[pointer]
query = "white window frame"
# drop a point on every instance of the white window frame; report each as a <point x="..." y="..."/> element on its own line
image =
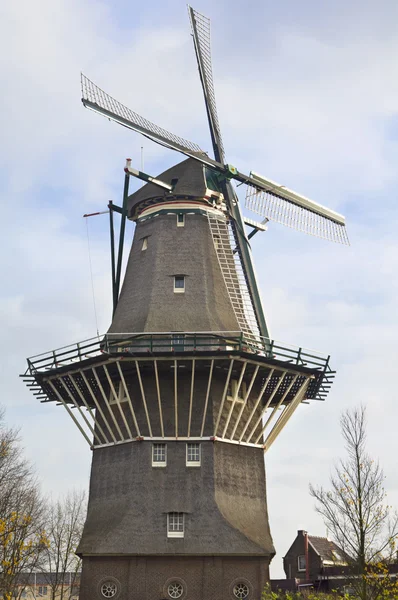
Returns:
<point x="193" y="463"/>
<point x="240" y="398"/>
<point x="182" y="222"/>
<point x="121" y="394"/>
<point x="144" y="243"/>
<point x="179" y="290"/>
<point x="175" y="530"/>
<point x="159" y="463"/>
<point x="299" y="567"/>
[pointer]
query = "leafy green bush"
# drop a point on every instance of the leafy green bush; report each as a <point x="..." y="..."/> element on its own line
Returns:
<point x="268" y="594"/>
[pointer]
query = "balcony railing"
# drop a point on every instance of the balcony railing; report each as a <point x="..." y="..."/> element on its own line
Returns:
<point x="175" y="342"/>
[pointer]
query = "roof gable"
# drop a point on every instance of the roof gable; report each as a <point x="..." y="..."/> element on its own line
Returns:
<point x="326" y="549"/>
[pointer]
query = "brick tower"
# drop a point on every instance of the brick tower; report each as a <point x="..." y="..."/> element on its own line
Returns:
<point x="184" y="394"/>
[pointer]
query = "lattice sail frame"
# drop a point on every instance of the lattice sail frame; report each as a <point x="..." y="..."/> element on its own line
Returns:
<point x="202" y="40"/>
<point x="288" y="213"/>
<point x="96" y="99"/>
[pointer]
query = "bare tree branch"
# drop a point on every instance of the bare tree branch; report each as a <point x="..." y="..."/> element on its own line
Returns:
<point x="355" y="512"/>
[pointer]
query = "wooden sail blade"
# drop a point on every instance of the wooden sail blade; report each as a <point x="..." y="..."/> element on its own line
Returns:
<point x="201" y="37"/>
<point x="278" y="203"/>
<point x="99" y="101"/>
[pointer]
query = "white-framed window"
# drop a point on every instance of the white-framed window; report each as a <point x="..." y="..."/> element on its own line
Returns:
<point x="42" y="590"/>
<point x="241" y="590"/>
<point x="159" y="455"/>
<point x="193" y="455"/>
<point x="144" y="243"/>
<point x="121" y="394"/>
<point x="232" y="387"/>
<point x="180" y="220"/>
<point x="175" y="589"/>
<point x="301" y="563"/>
<point x="109" y="588"/>
<point x="179" y="284"/>
<point x="175" y="525"/>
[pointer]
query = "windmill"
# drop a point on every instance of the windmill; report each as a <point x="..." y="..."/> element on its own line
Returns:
<point x="186" y="391"/>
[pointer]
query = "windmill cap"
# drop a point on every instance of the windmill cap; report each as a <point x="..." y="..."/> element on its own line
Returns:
<point x="189" y="181"/>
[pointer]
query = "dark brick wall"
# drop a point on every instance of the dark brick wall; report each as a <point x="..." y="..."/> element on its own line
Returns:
<point x="147" y="300"/>
<point x="291" y="559"/>
<point x="129" y="501"/>
<point x="146" y="578"/>
<point x="224" y="500"/>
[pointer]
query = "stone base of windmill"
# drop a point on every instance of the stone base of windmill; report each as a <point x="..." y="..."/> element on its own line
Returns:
<point x="165" y="578"/>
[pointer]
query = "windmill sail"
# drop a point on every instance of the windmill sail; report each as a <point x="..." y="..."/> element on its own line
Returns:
<point x="99" y="101"/>
<point x="250" y="308"/>
<point x="201" y="36"/>
<point x="278" y="203"/>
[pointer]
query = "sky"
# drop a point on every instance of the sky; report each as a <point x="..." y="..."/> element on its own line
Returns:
<point x="307" y="95"/>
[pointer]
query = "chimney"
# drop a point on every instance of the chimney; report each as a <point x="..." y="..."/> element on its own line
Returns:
<point x="307" y="566"/>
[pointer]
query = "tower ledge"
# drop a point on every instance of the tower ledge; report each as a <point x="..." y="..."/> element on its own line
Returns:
<point x="258" y="386"/>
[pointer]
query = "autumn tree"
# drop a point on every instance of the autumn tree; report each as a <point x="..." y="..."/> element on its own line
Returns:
<point x="65" y="520"/>
<point x="354" y="510"/>
<point x="22" y="538"/>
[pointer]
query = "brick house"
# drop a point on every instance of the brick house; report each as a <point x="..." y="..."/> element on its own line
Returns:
<point x="317" y="562"/>
<point x="310" y="558"/>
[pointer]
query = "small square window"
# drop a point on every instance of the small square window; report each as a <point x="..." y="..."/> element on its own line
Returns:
<point x="179" y="284"/>
<point x="180" y="220"/>
<point x="193" y="455"/>
<point x="301" y="563"/>
<point x="159" y="455"/>
<point x="175" y="525"/>
<point x="144" y="243"/>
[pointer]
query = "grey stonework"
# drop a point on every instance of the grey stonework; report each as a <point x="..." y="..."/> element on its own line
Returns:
<point x="224" y="502"/>
<point x="147" y="299"/>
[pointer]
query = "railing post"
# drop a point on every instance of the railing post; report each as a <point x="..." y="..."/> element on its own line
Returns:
<point x="298" y="356"/>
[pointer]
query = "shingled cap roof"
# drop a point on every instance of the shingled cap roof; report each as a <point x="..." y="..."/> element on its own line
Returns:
<point x="327" y="550"/>
<point x="191" y="182"/>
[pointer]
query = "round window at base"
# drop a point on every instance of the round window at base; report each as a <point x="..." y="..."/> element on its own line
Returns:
<point x="175" y="589"/>
<point x="241" y="590"/>
<point x="109" y="589"/>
